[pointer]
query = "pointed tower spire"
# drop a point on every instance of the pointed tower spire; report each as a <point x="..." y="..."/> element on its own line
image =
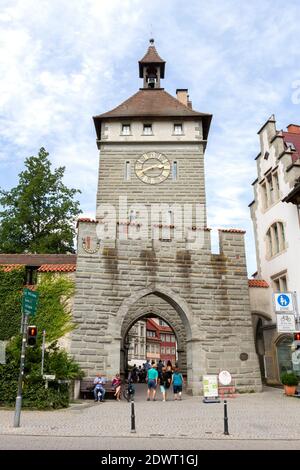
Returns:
<point x="152" y="67"/>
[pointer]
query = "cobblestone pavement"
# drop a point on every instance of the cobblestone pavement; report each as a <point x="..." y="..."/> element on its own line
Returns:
<point x="269" y="415"/>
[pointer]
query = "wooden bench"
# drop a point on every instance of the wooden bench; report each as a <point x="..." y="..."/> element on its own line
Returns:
<point x="87" y="389"/>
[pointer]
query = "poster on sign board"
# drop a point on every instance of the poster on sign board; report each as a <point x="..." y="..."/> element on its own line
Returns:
<point x="210" y="385"/>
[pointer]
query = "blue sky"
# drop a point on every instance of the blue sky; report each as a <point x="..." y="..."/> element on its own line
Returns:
<point x="64" y="61"/>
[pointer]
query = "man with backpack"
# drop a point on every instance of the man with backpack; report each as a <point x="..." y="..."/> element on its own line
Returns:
<point x="177" y="381"/>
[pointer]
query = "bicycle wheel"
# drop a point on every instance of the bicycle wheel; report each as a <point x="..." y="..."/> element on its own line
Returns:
<point x="126" y="394"/>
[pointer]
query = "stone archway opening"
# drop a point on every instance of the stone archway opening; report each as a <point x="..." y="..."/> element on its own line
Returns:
<point x="150" y="338"/>
<point x="171" y="309"/>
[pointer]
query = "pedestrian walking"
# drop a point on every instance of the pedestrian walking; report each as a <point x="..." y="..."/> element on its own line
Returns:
<point x="177" y="381"/>
<point x="152" y="378"/>
<point x="165" y="382"/>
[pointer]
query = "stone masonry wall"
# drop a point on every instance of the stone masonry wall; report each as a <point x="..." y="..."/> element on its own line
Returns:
<point x="208" y="292"/>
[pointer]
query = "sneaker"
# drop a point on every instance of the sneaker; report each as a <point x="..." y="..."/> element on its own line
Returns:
<point x="148" y="399"/>
<point x="154" y="399"/>
<point x="96" y="400"/>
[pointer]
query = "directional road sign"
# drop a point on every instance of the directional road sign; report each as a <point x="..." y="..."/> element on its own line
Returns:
<point x="30" y="301"/>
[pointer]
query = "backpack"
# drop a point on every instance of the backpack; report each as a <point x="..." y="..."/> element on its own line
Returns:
<point x="177" y="378"/>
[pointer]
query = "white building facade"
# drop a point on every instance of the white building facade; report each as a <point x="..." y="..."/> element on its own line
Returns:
<point x="275" y="217"/>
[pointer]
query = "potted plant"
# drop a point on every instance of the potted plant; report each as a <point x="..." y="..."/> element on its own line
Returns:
<point x="290" y="381"/>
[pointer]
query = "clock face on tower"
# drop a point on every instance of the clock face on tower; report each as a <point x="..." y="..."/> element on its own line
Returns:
<point x="152" y="168"/>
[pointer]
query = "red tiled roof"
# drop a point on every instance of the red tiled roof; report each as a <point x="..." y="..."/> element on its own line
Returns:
<point x="86" y="219"/>
<point x="62" y="268"/>
<point x="231" y="230"/>
<point x="152" y="325"/>
<point x="294" y="138"/>
<point x="10" y="267"/>
<point x="257" y="283"/>
<point x="152" y="56"/>
<point x="151" y="102"/>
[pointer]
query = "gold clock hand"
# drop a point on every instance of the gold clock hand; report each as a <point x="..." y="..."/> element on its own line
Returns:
<point x="151" y="167"/>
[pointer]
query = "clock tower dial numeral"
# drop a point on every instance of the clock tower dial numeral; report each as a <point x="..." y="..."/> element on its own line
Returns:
<point x="152" y="168"/>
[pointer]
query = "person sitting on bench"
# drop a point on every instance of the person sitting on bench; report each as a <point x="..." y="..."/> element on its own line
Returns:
<point x="99" y="382"/>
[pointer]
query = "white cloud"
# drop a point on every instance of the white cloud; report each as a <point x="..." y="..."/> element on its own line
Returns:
<point x="63" y="62"/>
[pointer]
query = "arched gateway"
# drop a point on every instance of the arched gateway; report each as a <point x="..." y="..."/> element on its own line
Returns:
<point x="149" y="248"/>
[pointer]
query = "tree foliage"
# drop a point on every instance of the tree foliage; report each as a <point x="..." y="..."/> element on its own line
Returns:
<point x="54" y="315"/>
<point x="11" y="286"/>
<point x="35" y="395"/>
<point x="54" y="308"/>
<point x="38" y="215"/>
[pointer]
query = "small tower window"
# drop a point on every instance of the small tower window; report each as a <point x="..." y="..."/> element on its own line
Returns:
<point x="127" y="171"/>
<point x="125" y="129"/>
<point x="177" y="129"/>
<point x="174" y="171"/>
<point x="147" y="129"/>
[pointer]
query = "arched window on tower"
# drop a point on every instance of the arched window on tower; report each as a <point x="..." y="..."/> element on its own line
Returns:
<point x="275" y="239"/>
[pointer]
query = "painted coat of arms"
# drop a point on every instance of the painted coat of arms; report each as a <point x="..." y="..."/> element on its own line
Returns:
<point x="90" y="245"/>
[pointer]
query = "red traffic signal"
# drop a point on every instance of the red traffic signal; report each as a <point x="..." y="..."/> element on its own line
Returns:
<point x="31" y="335"/>
<point x="297" y="336"/>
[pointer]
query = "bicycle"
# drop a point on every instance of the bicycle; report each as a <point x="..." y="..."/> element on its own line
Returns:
<point x="128" y="392"/>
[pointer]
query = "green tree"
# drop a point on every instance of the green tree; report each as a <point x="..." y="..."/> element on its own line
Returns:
<point x="54" y="308"/>
<point x="38" y="215"/>
<point x="11" y="287"/>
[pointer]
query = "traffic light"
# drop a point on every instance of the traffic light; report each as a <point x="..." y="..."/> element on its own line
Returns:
<point x="31" y="335"/>
<point x="297" y="336"/>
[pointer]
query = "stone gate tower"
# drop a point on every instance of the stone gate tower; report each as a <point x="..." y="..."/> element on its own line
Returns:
<point x="148" y="251"/>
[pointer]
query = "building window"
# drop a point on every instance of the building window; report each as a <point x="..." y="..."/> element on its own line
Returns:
<point x="174" y="171"/>
<point x="178" y="129"/>
<point x="173" y="351"/>
<point x="127" y="170"/>
<point x="284" y="355"/>
<point x="142" y="331"/>
<point x="147" y="129"/>
<point x="168" y="350"/>
<point x="279" y="283"/>
<point x="167" y="338"/>
<point x="172" y="339"/>
<point x="264" y="195"/>
<point x="275" y="239"/>
<point x="126" y="129"/>
<point x="270" y="190"/>
<point x="162" y="350"/>
<point x="151" y="334"/>
<point x="162" y="337"/>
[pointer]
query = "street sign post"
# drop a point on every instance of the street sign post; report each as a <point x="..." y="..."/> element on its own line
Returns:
<point x="2" y="352"/>
<point x="225" y="377"/>
<point x="284" y="302"/>
<point x="30" y="301"/>
<point x="286" y="323"/>
<point x="29" y="307"/>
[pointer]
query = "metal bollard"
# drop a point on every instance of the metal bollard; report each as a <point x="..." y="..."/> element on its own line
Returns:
<point x="226" y="432"/>
<point x="132" y="417"/>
